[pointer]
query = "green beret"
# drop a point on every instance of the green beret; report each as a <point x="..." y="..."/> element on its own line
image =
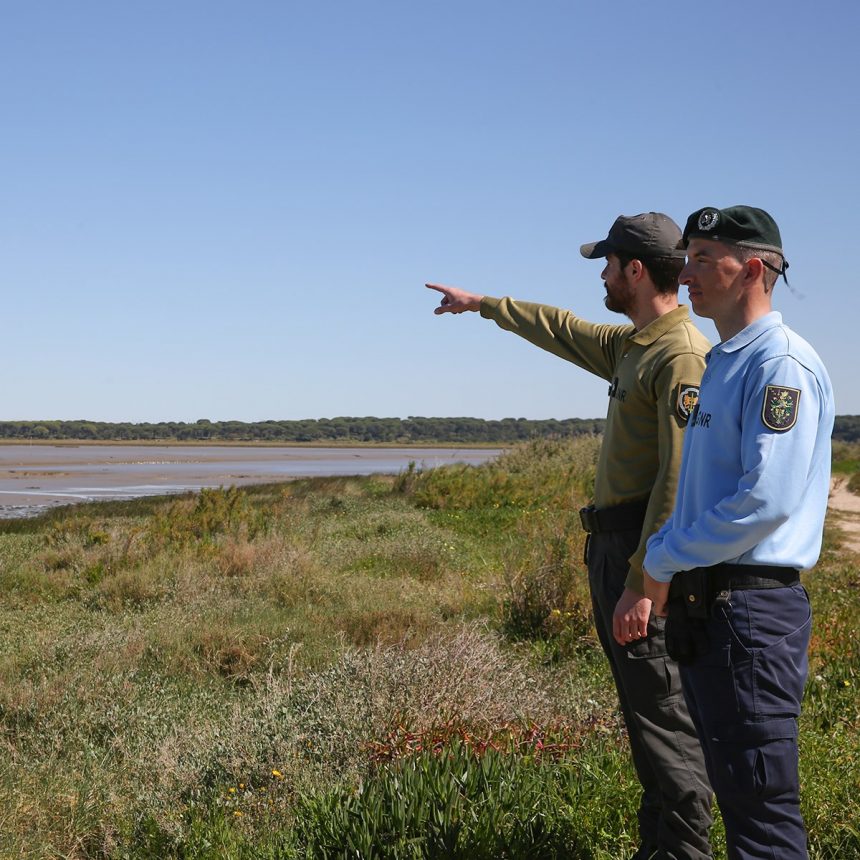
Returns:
<point x="735" y="225"/>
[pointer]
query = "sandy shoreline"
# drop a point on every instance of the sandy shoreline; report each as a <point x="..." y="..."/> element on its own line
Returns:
<point x="36" y="477"/>
<point x="847" y="506"/>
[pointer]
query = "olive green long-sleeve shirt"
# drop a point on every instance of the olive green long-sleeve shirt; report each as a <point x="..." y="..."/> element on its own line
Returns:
<point x="653" y="377"/>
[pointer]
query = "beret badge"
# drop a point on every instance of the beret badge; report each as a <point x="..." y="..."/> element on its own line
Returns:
<point x="709" y="219"/>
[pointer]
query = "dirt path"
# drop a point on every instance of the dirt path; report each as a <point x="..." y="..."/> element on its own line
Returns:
<point x="847" y="505"/>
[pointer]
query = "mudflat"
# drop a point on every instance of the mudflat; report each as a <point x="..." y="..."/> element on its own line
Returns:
<point x="35" y="477"/>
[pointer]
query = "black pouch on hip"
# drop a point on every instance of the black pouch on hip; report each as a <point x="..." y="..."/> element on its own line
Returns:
<point x="686" y="636"/>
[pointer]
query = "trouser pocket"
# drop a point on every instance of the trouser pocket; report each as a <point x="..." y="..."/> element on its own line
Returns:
<point x="769" y="663"/>
<point x="755" y="759"/>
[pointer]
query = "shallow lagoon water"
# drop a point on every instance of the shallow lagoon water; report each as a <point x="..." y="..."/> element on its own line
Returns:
<point x="36" y="477"/>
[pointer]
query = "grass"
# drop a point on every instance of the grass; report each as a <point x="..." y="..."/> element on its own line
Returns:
<point x="846" y="461"/>
<point x="347" y="667"/>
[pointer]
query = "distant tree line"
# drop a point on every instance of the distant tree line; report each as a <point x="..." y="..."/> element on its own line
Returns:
<point x="393" y="430"/>
<point x="847" y="428"/>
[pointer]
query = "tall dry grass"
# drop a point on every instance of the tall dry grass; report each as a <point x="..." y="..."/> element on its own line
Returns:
<point x="228" y="675"/>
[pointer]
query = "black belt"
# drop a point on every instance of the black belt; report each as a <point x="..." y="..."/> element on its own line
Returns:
<point x="618" y="518"/>
<point x="739" y="577"/>
<point x="697" y="589"/>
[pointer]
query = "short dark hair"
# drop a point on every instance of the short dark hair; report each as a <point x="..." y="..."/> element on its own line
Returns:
<point x="664" y="271"/>
<point x="772" y="258"/>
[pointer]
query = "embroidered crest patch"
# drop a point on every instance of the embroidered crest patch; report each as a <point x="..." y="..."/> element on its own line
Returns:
<point x="780" y="407"/>
<point x="686" y="398"/>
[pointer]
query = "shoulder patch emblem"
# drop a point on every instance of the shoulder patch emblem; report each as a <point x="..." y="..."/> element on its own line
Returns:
<point x="780" y="407"/>
<point x="686" y="398"/>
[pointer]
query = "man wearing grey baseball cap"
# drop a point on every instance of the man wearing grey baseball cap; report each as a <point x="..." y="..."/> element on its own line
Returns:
<point x="651" y="234"/>
<point x="653" y="368"/>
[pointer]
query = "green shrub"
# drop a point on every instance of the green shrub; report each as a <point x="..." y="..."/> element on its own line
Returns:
<point x="846" y="457"/>
<point x="545" y="580"/>
<point x="211" y="515"/>
<point x="546" y="472"/>
<point x="456" y="804"/>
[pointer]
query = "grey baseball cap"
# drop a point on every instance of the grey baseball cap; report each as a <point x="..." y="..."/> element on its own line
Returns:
<point x="651" y="234"/>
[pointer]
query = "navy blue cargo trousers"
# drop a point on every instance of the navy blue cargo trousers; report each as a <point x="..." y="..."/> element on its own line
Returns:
<point x="744" y="696"/>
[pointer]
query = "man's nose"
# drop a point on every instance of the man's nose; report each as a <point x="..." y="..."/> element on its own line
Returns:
<point x="686" y="275"/>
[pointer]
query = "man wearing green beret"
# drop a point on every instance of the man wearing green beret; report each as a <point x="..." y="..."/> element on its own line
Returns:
<point x="748" y="517"/>
<point x="653" y="368"/>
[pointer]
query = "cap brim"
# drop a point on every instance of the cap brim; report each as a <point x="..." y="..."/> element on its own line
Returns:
<point x="594" y="250"/>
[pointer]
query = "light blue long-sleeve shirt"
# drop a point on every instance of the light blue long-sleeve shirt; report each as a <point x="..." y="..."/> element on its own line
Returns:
<point x="755" y="473"/>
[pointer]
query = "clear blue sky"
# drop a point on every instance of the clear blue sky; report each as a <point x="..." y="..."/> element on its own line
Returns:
<point x="228" y="210"/>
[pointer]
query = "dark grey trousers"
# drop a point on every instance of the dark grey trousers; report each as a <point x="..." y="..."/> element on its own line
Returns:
<point x="675" y="808"/>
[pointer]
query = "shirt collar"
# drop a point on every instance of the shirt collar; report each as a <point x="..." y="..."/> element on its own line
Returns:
<point x="753" y="331"/>
<point x="658" y="327"/>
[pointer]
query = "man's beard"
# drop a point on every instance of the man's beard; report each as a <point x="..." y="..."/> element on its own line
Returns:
<point x="619" y="299"/>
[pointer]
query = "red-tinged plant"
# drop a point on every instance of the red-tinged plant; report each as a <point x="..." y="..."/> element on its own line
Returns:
<point x="552" y="741"/>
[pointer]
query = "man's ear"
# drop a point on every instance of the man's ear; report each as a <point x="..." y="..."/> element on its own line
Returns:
<point x="635" y="270"/>
<point x="754" y="270"/>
